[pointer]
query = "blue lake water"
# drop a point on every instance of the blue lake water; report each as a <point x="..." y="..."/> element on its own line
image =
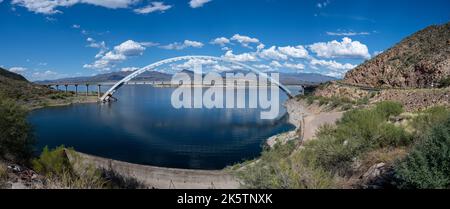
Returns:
<point x="142" y="127"/>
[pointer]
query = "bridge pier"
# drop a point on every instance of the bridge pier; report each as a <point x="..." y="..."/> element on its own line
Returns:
<point x="76" y="89"/>
<point x="57" y="87"/>
<point x="65" y="85"/>
<point x="99" y="91"/>
<point x="87" y="89"/>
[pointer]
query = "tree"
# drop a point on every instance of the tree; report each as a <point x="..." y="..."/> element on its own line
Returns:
<point x="16" y="140"/>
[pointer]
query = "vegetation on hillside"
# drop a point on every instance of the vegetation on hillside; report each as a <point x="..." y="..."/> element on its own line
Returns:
<point x="345" y="151"/>
<point x="16" y="138"/>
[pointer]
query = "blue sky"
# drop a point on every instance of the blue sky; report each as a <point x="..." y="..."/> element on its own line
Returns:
<point x="48" y="39"/>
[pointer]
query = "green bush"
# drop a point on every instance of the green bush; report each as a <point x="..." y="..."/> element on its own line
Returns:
<point x="428" y="118"/>
<point x="357" y="132"/>
<point x="428" y="165"/>
<point x="52" y="162"/>
<point x="444" y="82"/>
<point x="16" y="139"/>
<point x="389" y="108"/>
<point x="278" y="169"/>
<point x="55" y="165"/>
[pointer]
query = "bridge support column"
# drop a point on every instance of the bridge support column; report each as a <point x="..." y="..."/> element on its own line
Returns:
<point x="99" y="91"/>
<point x="65" y="85"/>
<point x="87" y="89"/>
<point x="57" y="87"/>
<point x="76" y="89"/>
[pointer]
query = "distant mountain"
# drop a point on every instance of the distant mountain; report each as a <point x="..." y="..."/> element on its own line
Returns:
<point x="285" y="78"/>
<point x="112" y="77"/>
<point x="420" y="60"/>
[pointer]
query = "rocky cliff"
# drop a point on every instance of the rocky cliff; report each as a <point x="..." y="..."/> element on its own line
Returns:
<point x="418" y="61"/>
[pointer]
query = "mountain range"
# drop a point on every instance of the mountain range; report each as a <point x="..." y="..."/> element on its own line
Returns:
<point x="285" y="78"/>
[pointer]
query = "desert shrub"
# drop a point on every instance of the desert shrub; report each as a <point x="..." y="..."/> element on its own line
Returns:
<point x="16" y="139"/>
<point x="55" y="165"/>
<point x="278" y="169"/>
<point x="390" y="135"/>
<point x="428" y="118"/>
<point x="389" y="108"/>
<point x="357" y="132"/>
<point x="52" y="162"/>
<point x="428" y="164"/>
<point x="444" y="82"/>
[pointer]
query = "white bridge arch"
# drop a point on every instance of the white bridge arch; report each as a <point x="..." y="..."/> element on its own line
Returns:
<point x="108" y="94"/>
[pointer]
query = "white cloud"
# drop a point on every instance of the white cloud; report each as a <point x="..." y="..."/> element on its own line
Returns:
<point x="262" y="67"/>
<point x="296" y="66"/>
<point x="129" y="69"/>
<point x="347" y="33"/>
<point x="130" y="48"/>
<point x="332" y="64"/>
<point x="45" y="75"/>
<point x="344" y="49"/>
<point x="198" y="3"/>
<point x="76" y="26"/>
<point x="295" y="52"/>
<point x="244" y="40"/>
<point x="222" y="41"/>
<point x="275" y="64"/>
<point x="18" y="69"/>
<point x="50" y="6"/>
<point x="119" y="54"/>
<point x="272" y="53"/>
<point x="153" y="7"/>
<point x="190" y="64"/>
<point x="260" y="47"/>
<point x="244" y="57"/>
<point x="185" y="44"/>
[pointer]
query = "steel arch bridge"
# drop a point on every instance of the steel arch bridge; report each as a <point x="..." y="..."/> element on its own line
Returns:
<point x="108" y="94"/>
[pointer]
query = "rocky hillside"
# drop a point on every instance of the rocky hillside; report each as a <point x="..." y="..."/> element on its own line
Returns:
<point x="16" y="87"/>
<point x="418" y="61"/>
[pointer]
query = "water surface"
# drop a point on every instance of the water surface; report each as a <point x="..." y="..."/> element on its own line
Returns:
<point x="142" y="127"/>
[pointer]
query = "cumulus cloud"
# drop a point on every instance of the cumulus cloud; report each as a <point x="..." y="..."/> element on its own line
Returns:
<point x="244" y="40"/>
<point x="244" y="57"/>
<point x="276" y="64"/>
<point x="332" y="64"/>
<point x="295" y="52"/>
<point x="153" y="7"/>
<point x="119" y="54"/>
<point x="190" y="64"/>
<point x="296" y="66"/>
<point x="344" y="49"/>
<point x="49" y="7"/>
<point x="272" y="53"/>
<point x="76" y="26"/>
<point x="185" y="44"/>
<point x="129" y="48"/>
<point x="222" y="41"/>
<point x="198" y="3"/>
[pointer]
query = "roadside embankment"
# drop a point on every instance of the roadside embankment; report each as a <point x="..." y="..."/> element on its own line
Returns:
<point x="307" y="119"/>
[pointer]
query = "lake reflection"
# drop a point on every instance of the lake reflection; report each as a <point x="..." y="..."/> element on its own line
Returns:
<point x="143" y="127"/>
